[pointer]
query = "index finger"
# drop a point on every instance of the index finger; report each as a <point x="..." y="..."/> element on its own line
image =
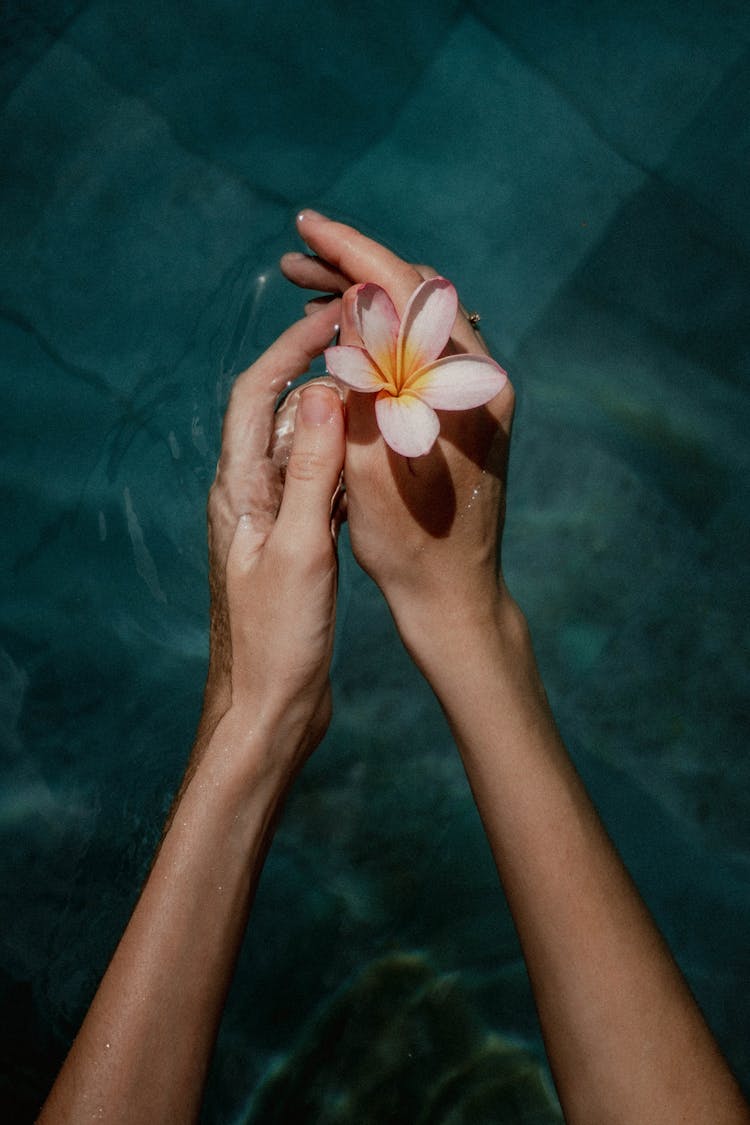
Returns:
<point x="249" y="418"/>
<point x="358" y="257"/>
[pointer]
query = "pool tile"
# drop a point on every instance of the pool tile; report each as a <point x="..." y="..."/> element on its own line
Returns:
<point x="634" y="414"/>
<point x="638" y="71"/>
<point x="29" y="29"/>
<point x="488" y="167"/>
<point x="710" y="162"/>
<point x="115" y="236"/>
<point x="284" y="96"/>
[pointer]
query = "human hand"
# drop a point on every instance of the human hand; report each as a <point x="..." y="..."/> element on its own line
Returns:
<point x="426" y="529"/>
<point x="272" y="553"/>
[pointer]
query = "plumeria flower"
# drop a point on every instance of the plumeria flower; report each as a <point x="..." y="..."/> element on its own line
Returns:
<point x="400" y="363"/>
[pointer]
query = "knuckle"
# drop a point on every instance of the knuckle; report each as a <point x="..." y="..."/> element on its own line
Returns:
<point x="406" y="275"/>
<point x="216" y="504"/>
<point x="306" y="465"/>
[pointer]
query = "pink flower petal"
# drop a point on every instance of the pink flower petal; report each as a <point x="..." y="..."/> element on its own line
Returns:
<point x="378" y="324"/>
<point x="458" y="382"/>
<point x="427" y="324"/>
<point x="409" y="425"/>
<point x="353" y="367"/>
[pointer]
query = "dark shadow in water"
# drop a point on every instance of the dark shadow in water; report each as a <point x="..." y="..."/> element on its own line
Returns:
<point x="403" y="1044"/>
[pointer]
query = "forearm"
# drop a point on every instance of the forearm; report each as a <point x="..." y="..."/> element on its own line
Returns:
<point x="625" y="1039"/>
<point x="145" y="1045"/>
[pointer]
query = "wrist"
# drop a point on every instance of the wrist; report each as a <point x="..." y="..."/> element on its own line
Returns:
<point x="471" y="654"/>
<point x="258" y="748"/>
<point x="247" y="753"/>
<point x="435" y="630"/>
<point x="272" y="729"/>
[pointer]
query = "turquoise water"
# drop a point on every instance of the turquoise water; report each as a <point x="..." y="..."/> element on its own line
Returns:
<point x="581" y="172"/>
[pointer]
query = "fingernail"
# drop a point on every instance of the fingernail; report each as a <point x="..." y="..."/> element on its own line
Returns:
<point x="293" y="256"/>
<point x="316" y="406"/>
<point x="310" y="216"/>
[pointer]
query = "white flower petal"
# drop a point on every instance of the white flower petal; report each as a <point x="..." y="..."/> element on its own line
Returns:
<point x="427" y="325"/>
<point x="378" y="324"/>
<point x="409" y="425"/>
<point x="459" y="382"/>
<point x="353" y="367"/>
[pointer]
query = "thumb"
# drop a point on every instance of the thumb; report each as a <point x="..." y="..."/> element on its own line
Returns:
<point x="314" y="467"/>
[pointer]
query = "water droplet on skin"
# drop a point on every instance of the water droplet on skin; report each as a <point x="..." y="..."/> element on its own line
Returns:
<point x="472" y="499"/>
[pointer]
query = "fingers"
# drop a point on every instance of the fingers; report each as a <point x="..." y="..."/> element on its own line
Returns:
<point x="312" y="273"/>
<point x="316" y="303"/>
<point x="465" y="337"/>
<point x="346" y="257"/>
<point x="313" y="471"/>
<point x="357" y="257"/>
<point x="284" y="419"/>
<point x="426" y="272"/>
<point x="249" y="417"/>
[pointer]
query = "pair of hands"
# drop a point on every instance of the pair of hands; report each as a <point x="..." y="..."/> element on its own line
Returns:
<point x="426" y="529"/>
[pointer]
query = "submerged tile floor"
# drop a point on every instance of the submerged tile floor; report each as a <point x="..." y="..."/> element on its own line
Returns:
<point x="582" y="175"/>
